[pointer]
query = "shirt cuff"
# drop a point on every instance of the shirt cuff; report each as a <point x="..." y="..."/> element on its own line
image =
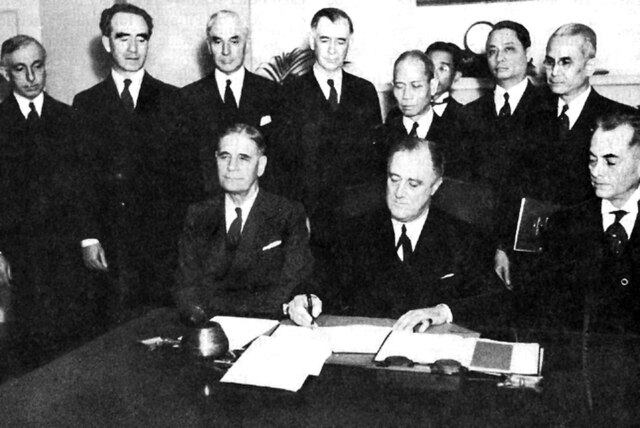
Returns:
<point x="446" y="312"/>
<point x="89" y="242"/>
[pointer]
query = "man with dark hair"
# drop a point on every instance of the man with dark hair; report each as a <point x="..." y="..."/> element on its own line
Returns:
<point x="141" y="169"/>
<point x="409" y="255"/>
<point x="592" y="253"/>
<point x="325" y="154"/>
<point x="412" y="77"/>
<point x="446" y="63"/>
<point x="243" y="252"/>
<point x="38" y="259"/>
<point x="231" y="94"/>
<point x="502" y="133"/>
<point x="573" y="108"/>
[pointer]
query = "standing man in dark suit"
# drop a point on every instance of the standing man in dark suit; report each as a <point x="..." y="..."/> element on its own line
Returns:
<point x="142" y="170"/>
<point x="412" y="79"/>
<point x="574" y="107"/>
<point x="409" y="255"/>
<point x="326" y="151"/>
<point x="593" y="249"/>
<point x="229" y="95"/>
<point x="40" y="253"/>
<point x="502" y="132"/>
<point x="242" y="252"/>
<point x="446" y="63"/>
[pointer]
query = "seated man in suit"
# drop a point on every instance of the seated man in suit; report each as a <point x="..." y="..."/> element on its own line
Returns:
<point x="502" y="132"/>
<point x="39" y="242"/>
<point x="325" y="154"/>
<point x="412" y="78"/>
<point x="409" y="260"/>
<point x="229" y="95"/>
<point x="593" y="249"/>
<point x="243" y="252"/>
<point x="446" y="63"/>
<point x="574" y="107"/>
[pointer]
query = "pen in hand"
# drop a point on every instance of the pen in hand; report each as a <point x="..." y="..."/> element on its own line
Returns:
<point x="310" y="309"/>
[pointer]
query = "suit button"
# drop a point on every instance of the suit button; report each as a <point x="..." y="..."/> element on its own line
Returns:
<point x="122" y="204"/>
<point x="119" y="176"/>
<point x="624" y="282"/>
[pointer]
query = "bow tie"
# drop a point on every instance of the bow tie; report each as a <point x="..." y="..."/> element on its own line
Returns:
<point x="444" y="101"/>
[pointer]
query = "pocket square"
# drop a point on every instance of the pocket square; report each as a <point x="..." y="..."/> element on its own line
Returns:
<point x="447" y="276"/>
<point x="272" y="245"/>
<point x="265" y="120"/>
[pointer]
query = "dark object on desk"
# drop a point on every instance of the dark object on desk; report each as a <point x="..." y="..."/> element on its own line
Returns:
<point x="210" y="341"/>
<point x="533" y="218"/>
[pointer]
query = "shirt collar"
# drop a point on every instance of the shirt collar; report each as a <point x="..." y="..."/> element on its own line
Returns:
<point x="515" y="95"/>
<point x="237" y="79"/>
<point x="424" y="123"/>
<point x="134" y="87"/>
<point x="23" y="103"/>
<point x="230" y="209"/>
<point x="629" y="220"/>
<point x="322" y="76"/>
<point x="441" y="107"/>
<point x="414" y="228"/>
<point x="575" y="106"/>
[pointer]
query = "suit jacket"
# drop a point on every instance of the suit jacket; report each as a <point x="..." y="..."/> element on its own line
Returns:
<point x="450" y="264"/>
<point x="566" y="172"/>
<point x="145" y="171"/>
<point x="504" y="153"/>
<point x="579" y="277"/>
<point x="443" y="130"/>
<point x="322" y="155"/>
<point x="273" y="258"/>
<point x="208" y="116"/>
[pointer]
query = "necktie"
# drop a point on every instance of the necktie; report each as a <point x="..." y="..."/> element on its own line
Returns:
<point x="405" y="242"/>
<point x="33" y="117"/>
<point x="229" y="99"/>
<point x="505" y="111"/>
<point x="333" y="95"/>
<point x="126" y="97"/>
<point x="414" y="132"/>
<point x="615" y="236"/>
<point x="233" y="235"/>
<point x="563" y="122"/>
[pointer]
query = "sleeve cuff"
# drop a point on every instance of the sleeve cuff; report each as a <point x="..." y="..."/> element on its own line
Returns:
<point x="89" y="242"/>
<point x="446" y="312"/>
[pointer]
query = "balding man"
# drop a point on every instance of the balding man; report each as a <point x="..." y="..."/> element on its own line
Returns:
<point x="229" y="95"/>
<point x="574" y="107"/>
<point x="38" y="244"/>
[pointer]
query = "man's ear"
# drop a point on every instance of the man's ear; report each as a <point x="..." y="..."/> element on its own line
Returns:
<point x="262" y="164"/>
<point x="105" y="44"/>
<point x="5" y="72"/>
<point x="527" y="53"/>
<point x="456" y="77"/>
<point x="433" y="86"/>
<point x="436" y="186"/>
<point x="590" y="66"/>
<point x="312" y="40"/>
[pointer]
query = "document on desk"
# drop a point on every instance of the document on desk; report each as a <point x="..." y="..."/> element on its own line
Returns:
<point x="355" y="339"/>
<point x="505" y="357"/>
<point x="241" y="331"/>
<point x="427" y="348"/>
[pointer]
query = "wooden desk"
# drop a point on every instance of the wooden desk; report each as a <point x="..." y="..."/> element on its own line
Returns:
<point x="113" y="381"/>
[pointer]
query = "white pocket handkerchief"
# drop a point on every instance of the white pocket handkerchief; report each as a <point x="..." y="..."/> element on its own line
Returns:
<point x="274" y="244"/>
<point x="447" y="276"/>
<point x="265" y="120"/>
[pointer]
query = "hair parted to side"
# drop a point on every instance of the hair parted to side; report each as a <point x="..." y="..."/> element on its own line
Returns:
<point x="410" y="144"/>
<point x="107" y="16"/>
<point x="250" y="131"/>
<point x="333" y="14"/>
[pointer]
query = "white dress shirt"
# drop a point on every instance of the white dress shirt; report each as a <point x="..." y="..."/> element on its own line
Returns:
<point x="134" y="87"/>
<point x="23" y="103"/>
<point x="575" y="106"/>
<point x="322" y="76"/>
<point x="424" y="123"/>
<point x="515" y="95"/>
<point x="230" y="209"/>
<point x="237" y="79"/>
<point x="439" y="107"/>
<point x="629" y="220"/>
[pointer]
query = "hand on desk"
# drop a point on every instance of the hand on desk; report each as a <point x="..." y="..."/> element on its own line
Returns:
<point x="94" y="257"/>
<point x="502" y="266"/>
<point x="423" y="318"/>
<point x="5" y="271"/>
<point x="298" y="309"/>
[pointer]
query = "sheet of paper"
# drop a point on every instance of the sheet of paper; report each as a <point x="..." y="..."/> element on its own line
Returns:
<point x="313" y="345"/>
<point x="241" y="331"/>
<point x="427" y="348"/>
<point x="356" y="339"/>
<point x="506" y="357"/>
<point x="265" y="363"/>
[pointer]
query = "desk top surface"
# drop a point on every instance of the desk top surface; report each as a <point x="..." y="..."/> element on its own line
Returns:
<point x="113" y="381"/>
